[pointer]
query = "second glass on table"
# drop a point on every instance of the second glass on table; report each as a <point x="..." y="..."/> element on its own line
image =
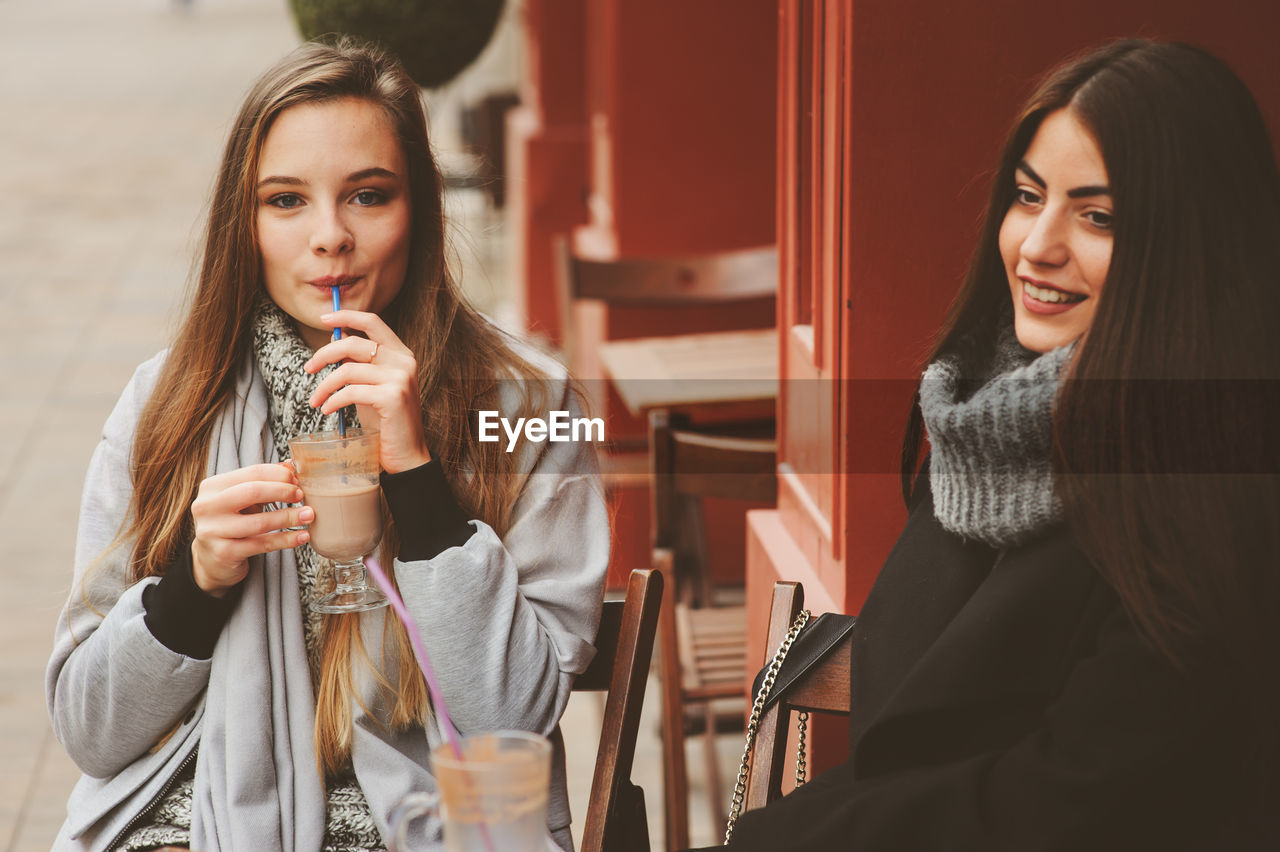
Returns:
<point x="490" y="798"/>
<point x="339" y="479"/>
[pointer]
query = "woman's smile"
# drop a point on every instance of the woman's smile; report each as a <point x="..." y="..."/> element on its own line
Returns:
<point x="1042" y="298"/>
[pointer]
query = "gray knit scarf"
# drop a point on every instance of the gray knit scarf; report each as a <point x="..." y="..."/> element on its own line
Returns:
<point x="280" y="353"/>
<point x="349" y="826"/>
<point x="989" y="465"/>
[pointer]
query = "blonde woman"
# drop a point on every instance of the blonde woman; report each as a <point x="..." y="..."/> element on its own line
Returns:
<point x="206" y="704"/>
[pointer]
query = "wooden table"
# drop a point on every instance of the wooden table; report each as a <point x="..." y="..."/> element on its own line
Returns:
<point x="690" y="371"/>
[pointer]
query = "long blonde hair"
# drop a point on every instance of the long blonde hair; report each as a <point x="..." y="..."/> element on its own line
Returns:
<point x="460" y="358"/>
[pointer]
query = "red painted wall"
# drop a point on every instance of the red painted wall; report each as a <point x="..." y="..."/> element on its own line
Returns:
<point x="681" y="116"/>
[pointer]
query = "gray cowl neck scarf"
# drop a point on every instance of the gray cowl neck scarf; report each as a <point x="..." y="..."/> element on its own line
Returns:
<point x="989" y="465"/>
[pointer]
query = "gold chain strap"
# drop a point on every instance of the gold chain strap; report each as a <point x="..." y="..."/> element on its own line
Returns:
<point x="802" y="725"/>
<point x="753" y="725"/>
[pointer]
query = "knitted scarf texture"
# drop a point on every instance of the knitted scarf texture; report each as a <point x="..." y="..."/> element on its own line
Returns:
<point x="989" y="465"/>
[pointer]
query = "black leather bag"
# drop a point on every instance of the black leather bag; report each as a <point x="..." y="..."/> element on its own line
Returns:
<point x="811" y="646"/>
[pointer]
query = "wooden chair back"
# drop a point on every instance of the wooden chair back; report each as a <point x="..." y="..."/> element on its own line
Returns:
<point x="616" y="819"/>
<point x="734" y="462"/>
<point x="744" y="275"/>
<point x="727" y="461"/>
<point x="716" y="277"/>
<point x="823" y="689"/>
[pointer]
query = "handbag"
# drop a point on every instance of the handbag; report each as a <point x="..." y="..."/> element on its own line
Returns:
<point x="805" y="645"/>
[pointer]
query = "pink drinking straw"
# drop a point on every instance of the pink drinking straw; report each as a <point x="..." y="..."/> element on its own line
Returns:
<point x="424" y="663"/>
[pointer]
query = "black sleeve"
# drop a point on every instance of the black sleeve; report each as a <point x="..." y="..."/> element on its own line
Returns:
<point x="426" y="513"/>
<point x="182" y="616"/>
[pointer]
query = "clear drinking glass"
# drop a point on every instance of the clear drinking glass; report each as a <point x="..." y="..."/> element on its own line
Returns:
<point x="492" y="799"/>
<point x="339" y="479"/>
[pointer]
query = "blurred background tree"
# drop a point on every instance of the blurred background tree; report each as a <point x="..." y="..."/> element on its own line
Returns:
<point x="435" y="39"/>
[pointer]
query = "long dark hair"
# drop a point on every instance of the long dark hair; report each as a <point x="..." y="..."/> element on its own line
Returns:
<point x="1165" y="429"/>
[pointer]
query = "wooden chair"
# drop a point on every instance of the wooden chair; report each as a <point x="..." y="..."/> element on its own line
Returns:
<point x="741" y="286"/>
<point x="822" y="689"/>
<point x="721" y="278"/>
<point x="616" y="820"/>
<point x="702" y="646"/>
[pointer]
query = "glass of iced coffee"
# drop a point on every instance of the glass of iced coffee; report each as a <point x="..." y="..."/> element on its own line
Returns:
<point x="338" y="474"/>
<point x="491" y="797"/>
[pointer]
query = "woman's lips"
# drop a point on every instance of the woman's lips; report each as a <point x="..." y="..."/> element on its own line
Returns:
<point x="1034" y="296"/>
<point x="328" y="282"/>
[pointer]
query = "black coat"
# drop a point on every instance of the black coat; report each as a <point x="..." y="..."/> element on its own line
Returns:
<point x="1002" y="700"/>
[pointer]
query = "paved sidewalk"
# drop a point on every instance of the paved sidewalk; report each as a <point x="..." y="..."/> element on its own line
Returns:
<point x="113" y="118"/>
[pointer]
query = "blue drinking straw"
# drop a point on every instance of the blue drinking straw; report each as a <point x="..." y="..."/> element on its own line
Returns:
<point x="337" y="335"/>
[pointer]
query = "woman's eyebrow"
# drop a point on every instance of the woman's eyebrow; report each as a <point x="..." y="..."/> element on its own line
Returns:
<point x="291" y="181"/>
<point x="374" y="171"/>
<point x="363" y="174"/>
<point x="1088" y="191"/>
<point x="1031" y="173"/>
<point x="1078" y="192"/>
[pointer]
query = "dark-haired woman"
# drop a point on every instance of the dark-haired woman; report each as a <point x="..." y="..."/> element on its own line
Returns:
<point x="1073" y="645"/>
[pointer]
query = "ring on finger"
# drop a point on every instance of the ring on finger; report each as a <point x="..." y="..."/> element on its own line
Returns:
<point x="374" y="353"/>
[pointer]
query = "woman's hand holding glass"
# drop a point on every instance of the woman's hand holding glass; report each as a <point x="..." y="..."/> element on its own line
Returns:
<point x="377" y="374"/>
<point x="234" y="520"/>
